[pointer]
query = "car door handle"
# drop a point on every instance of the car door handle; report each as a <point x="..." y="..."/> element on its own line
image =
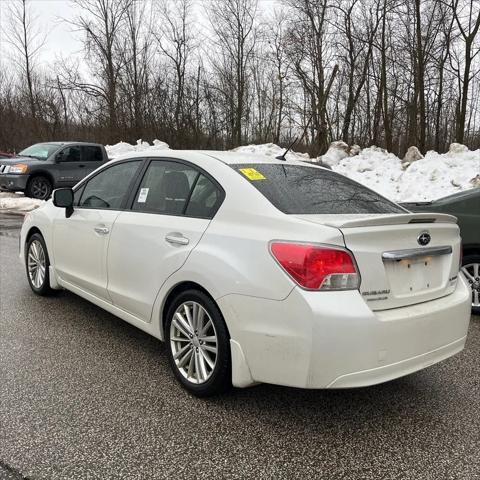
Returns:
<point x="101" y="230"/>
<point x="81" y="166"/>
<point x="177" y="238"/>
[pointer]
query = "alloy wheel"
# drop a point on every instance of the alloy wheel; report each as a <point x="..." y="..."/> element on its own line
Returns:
<point x="37" y="264"/>
<point x="472" y="273"/>
<point x="193" y="342"/>
<point x="40" y="188"/>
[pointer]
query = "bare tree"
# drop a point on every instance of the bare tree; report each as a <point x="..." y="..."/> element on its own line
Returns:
<point x="282" y="66"/>
<point x="175" y="39"/>
<point x="359" y="27"/>
<point x="27" y="40"/>
<point x="137" y="54"/>
<point x="467" y="18"/>
<point x="233" y="22"/>
<point x="393" y="73"/>
<point x="102" y="21"/>
<point x="308" y="33"/>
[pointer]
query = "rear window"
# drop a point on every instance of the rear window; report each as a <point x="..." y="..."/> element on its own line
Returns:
<point x="296" y="189"/>
<point x="92" y="154"/>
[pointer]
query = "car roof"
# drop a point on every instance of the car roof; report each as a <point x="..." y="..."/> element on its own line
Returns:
<point x="232" y="158"/>
<point x="227" y="157"/>
<point x="69" y="142"/>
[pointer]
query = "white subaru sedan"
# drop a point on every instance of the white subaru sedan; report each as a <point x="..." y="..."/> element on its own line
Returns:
<point x="254" y="269"/>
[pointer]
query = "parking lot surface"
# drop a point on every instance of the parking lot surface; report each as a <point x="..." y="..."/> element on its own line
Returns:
<point x="85" y="395"/>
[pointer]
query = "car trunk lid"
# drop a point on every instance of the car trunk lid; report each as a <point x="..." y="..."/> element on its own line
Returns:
<point x="403" y="259"/>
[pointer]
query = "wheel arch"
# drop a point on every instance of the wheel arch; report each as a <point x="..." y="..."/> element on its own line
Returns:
<point x="42" y="173"/>
<point x="471" y="249"/>
<point x="174" y="292"/>
<point x="31" y="232"/>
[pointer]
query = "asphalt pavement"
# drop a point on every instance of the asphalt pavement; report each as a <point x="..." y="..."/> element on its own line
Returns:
<point x="84" y="395"/>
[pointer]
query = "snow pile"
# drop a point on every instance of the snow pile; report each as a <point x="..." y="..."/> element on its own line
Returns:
<point x="374" y="167"/>
<point x="434" y="176"/>
<point x="337" y="152"/>
<point x="457" y="148"/>
<point x="413" y="154"/>
<point x="271" y="150"/>
<point x="141" y="146"/>
<point x="18" y="203"/>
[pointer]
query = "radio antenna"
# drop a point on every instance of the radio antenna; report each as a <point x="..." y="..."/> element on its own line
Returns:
<point x="296" y="139"/>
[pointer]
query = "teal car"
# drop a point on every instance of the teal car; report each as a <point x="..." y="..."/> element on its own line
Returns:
<point x="466" y="207"/>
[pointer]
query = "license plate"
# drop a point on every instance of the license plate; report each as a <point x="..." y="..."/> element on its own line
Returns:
<point x="410" y="276"/>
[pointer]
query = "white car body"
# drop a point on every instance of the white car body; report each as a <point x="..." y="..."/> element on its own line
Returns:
<point x="280" y="333"/>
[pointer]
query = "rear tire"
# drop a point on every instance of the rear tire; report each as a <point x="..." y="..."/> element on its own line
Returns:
<point x="37" y="265"/>
<point x="198" y="344"/>
<point x="471" y="270"/>
<point x="39" y="187"/>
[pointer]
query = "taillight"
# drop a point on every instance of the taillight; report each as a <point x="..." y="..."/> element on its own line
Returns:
<point x="317" y="267"/>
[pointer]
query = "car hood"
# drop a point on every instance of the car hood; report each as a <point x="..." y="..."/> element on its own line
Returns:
<point x="20" y="159"/>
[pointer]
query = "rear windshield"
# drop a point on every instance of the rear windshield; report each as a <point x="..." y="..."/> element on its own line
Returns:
<point x="297" y="189"/>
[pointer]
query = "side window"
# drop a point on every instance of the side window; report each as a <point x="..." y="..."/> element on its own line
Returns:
<point x="109" y="188"/>
<point x="70" y="154"/>
<point x="165" y="188"/>
<point x="205" y="199"/>
<point x="92" y="154"/>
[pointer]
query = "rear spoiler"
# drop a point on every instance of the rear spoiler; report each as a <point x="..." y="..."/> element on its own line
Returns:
<point x="397" y="219"/>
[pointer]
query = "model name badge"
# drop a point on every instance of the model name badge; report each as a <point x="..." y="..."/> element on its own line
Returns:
<point x="375" y="292"/>
<point x="378" y="294"/>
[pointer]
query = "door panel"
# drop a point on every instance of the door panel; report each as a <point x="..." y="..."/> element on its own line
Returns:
<point x="70" y="166"/>
<point x="80" y="244"/>
<point x="143" y="253"/>
<point x="81" y="241"/>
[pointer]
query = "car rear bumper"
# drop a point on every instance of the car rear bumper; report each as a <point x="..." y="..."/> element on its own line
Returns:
<point x="334" y="340"/>
<point x="399" y="369"/>
<point x="13" y="183"/>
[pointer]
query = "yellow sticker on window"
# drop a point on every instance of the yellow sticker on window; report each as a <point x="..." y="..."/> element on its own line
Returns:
<point x="252" y="174"/>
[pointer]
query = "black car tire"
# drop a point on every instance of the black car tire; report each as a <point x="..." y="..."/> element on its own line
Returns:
<point x="220" y="378"/>
<point x="469" y="260"/>
<point x="39" y="187"/>
<point x="43" y="288"/>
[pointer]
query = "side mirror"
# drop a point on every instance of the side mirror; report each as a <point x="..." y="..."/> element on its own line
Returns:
<point x="63" y="198"/>
<point x="59" y="156"/>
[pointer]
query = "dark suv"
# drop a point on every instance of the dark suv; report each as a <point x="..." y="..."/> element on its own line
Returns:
<point x="39" y="169"/>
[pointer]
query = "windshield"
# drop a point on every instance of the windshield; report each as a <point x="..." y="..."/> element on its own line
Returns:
<point x="40" y="150"/>
<point x="297" y="189"/>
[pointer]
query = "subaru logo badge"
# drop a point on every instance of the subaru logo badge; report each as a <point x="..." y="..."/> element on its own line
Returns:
<point x="424" y="239"/>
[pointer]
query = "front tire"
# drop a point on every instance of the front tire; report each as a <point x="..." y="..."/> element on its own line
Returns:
<point x="471" y="270"/>
<point x="39" y="187"/>
<point x="37" y="264"/>
<point x="198" y="344"/>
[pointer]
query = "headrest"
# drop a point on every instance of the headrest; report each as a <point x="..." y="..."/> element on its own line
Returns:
<point x="176" y="185"/>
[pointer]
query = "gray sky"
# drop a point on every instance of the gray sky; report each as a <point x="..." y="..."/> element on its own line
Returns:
<point x="60" y="38"/>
